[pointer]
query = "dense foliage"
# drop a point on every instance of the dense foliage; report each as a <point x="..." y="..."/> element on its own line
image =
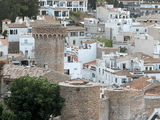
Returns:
<point x="34" y="99"/>
<point x="6" y="115"/>
<point x="78" y="16"/>
<point x="108" y="43"/>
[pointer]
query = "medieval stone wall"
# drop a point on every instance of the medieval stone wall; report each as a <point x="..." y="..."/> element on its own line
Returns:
<point x="151" y="102"/>
<point x="137" y="107"/>
<point x="49" y="46"/>
<point x="104" y="109"/>
<point x="82" y="102"/>
<point x="120" y="103"/>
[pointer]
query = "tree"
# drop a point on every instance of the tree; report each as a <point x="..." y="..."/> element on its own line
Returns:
<point x="6" y="115"/>
<point x="121" y="5"/>
<point x="4" y="34"/>
<point x="34" y="98"/>
<point x="108" y="43"/>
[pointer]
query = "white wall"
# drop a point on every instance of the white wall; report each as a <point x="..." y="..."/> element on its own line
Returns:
<point x="15" y="37"/>
<point x="75" y="69"/>
<point x="87" y="55"/>
<point x="29" y="45"/>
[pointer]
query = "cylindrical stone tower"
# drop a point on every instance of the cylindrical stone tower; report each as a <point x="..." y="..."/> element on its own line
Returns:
<point x="125" y="104"/>
<point x="49" y="46"/>
<point x="82" y="100"/>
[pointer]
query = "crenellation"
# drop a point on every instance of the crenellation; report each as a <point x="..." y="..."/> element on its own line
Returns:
<point x="49" y="46"/>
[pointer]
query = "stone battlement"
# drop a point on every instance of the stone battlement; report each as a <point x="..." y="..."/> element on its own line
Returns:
<point x="49" y="31"/>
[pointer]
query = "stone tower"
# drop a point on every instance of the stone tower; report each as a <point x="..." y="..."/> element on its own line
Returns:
<point x="49" y="46"/>
<point x="82" y="100"/>
<point x="125" y="104"/>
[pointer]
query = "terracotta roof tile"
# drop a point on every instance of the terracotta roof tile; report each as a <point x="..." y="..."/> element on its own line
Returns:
<point x="5" y="20"/>
<point x="152" y="60"/>
<point x="123" y="73"/>
<point x="155" y="91"/>
<point x="89" y="63"/>
<point x="13" y="25"/>
<point x="89" y="42"/>
<point x="15" y="71"/>
<point x="140" y="83"/>
<point x="4" y="42"/>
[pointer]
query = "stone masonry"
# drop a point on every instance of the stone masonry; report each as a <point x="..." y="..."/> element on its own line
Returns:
<point x="82" y="100"/>
<point x="49" y="46"/>
<point x="125" y="104"/>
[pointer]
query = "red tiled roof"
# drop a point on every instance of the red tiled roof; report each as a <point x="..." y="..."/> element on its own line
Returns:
<point x="4" y="42"/>
<point x="89" y="42"/>
<point x="151" y="60"/>
<point x="140" y="83"/>
<point x="89" y="63"/>
<point x="124" y="72"/>
<point x="13" y="25"/>
<point x="154" y="91"/>
<point x="5" y="20"/>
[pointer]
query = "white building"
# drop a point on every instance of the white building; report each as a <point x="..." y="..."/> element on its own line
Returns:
<point x="27" y="45"/>
<point x="88" y="53"/>
<point x="150" y="7"/>
<point x="3" y="47"/>
<point x="60" y="13"/>
<point x="72" y="66"/>
<point x="15" y="30"/>
<point x="71" y="5"/>
<point x="76" y="35"/>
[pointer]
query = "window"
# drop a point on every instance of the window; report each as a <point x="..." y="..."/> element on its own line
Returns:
<point x="81" y="33"/>
<point x="26" y="52"/>
<point x="74" y="42"/>
<point x="150" y="68"/>
<point x="80" y="3"/>
<point x="66" y="71"/>
<point x="75" y="68"/>
<point x="74" y="33"/>
<point x="93" y="75"/>
<point x="69" y="4"/>
<point x="124" y="66"/>
<point x="11" y="31"/>
<point x="123" y="80"/>
<point x="1" y="54"/>
<point x="25" y="41"/>
<point x="146" y="68"/>
<point x="99" y="70"/>
<point x="115" y="80"/>
<point x="29" y="30"/>
<point x="103" y="72"/>
<point x="137" y="30"/>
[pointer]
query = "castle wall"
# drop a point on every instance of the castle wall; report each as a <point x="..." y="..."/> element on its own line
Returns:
<point x="120" y="103"/>
<point x="151" y="102"/>
<point x="82" y="102"/>
<point x="104" y="109"/>
<point x="137" y="107"/>
<point x="49" y="46"/>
